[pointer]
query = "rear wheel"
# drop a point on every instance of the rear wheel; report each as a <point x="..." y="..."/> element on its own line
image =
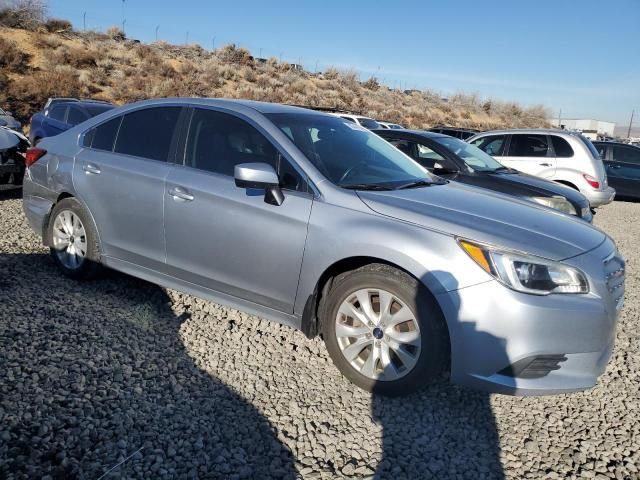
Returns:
<point x="73" y="240"/>
<point x="384" y="330"/>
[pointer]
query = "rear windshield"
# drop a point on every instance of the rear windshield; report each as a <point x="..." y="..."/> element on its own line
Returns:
<point x="94" y="110"/>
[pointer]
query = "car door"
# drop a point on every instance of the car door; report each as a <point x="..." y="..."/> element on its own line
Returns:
<point x="623" y="170"/>
<point x="530" y="153"/>
<point x="493" y="145"/>
<point x="55" y="120"/>
<point x="120" y="177"/>
<point x="228" y="239"/>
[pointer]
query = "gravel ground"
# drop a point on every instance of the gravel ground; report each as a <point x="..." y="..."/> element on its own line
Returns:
<point x="96" y="373"/>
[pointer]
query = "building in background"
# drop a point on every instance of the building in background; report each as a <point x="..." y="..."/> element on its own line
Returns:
<point x="590" y="128"/>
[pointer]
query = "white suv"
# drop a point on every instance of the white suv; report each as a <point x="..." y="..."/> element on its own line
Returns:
<point x="366" y="122"/>
<point x="562" y="156"/>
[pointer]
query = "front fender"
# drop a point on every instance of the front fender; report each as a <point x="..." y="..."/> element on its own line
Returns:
<point x="337" y="233"/>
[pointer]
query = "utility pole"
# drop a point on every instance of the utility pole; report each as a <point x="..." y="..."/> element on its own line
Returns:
<point x="84" y="22"/>
<point x="157" y="28"/>
<point x="630" y="123"/>
<point x="123" y="20"/>
<point x="213" y="43"/>
<point x="560" y="118"/>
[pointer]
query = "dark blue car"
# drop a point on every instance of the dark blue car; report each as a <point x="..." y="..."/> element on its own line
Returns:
<point x="60" y="114"/>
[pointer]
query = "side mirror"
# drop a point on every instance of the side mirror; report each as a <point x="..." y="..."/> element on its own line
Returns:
<point x="261" y="176"/>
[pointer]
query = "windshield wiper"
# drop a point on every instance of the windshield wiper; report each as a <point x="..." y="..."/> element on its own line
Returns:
<point x="418" y="183"/>
<point x="366" y="186"/>
<point x="502" y="169"/>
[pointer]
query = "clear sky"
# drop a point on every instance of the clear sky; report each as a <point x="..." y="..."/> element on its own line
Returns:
<point x="581" y="56"/>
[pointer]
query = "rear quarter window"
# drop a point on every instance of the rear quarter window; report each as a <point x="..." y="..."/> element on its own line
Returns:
<point x="561" y="147"/>
<point x="102" y="136"/>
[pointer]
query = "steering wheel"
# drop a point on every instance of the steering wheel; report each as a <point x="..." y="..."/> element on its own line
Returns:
<point x="348" y="172"/>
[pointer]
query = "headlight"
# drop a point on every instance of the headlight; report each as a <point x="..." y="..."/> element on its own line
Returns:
<point x="526" y="273"/>
<point x="557" y="203"/>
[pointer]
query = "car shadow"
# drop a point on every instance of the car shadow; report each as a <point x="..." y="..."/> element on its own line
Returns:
<point x="96" y="377"/>
<point x="452" y="435"/>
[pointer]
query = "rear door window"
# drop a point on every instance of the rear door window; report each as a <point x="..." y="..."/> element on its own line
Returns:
<point x="561" y="147"/>
<point x="526" y="145"/>
<point x="491" y="144"/>
<point x="148" y="133"/>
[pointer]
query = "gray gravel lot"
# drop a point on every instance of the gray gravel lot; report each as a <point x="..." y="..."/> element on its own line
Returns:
<point x="92" y="373"/>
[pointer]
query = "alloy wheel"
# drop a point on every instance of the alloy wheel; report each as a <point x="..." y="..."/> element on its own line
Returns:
<point x="69" y="239"/>
<point x="378" y="334"/>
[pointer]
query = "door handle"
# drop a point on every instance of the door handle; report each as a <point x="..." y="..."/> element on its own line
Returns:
<point x="179" y="193"/>
<point x="615" y="166"/>
<point x="90" y="168"/>
<point x="545" y="164"/>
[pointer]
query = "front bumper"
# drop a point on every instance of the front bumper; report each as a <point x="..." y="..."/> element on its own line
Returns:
<point x="493" y="328"/>
<point x="598" y="198"/>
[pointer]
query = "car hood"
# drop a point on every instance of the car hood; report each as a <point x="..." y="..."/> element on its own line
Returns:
<point x="536" y="186"/>
<point x="490" y="217"/>
<point x="9" y="121"/>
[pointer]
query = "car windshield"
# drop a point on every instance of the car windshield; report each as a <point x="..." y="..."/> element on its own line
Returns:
<point x="470" y="154"/>
<point x="94" y="110"/>
<point x="349" y="155"/>
<point x="368" y="123"/>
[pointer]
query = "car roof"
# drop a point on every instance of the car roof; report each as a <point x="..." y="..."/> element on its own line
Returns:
<point x="614" y="143"/>
<point x="420" y="133"/>
<point x="262" y="107"/>
<point x="543" y="131"/>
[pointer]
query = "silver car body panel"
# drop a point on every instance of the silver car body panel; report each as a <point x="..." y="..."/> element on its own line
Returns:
<point x="229" y="246"/>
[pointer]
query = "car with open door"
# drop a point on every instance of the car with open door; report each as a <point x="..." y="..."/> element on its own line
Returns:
<point x="622" y="162"/>
<point x="456" y="160"/>
<point x="313" y="221"/>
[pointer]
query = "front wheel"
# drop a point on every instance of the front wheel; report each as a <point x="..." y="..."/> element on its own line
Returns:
<point x="73" y="240"/>
<point x="384" y="330"/>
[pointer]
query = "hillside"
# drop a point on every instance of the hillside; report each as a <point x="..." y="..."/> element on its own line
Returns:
<point x="36" y="64"/>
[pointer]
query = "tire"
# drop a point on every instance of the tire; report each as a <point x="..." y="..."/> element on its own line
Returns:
<point x="408" y="368"/>
<point x="86" y="249"/>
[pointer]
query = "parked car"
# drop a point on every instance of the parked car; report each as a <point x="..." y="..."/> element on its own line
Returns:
<point x="462" y="133"/>
<point x="559" y="155"/>
<point x="390" y="125"/>
<point x="453" y="159"/>
<point x="60" y="114"/>
<point x="361" y="120"/>
<point x="13" y="147"/>
<point x="298" y="217"/>
<point x="7" y="120"/>
<point x="622" y="163"/>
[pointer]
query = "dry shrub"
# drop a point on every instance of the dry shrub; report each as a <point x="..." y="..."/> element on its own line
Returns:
<point x="45" y="41"/>
<point x="73" y="56"/>
<point x="116" y="33"/>
<point x="31" y="92"/>
<point x="249" y="75"/>
<point x="58" y="25"/>
<point x="25" y="14"/>
<point x="12" y="58"/>
<point x="233" y="54"/>
<point x="371" y="84"/>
